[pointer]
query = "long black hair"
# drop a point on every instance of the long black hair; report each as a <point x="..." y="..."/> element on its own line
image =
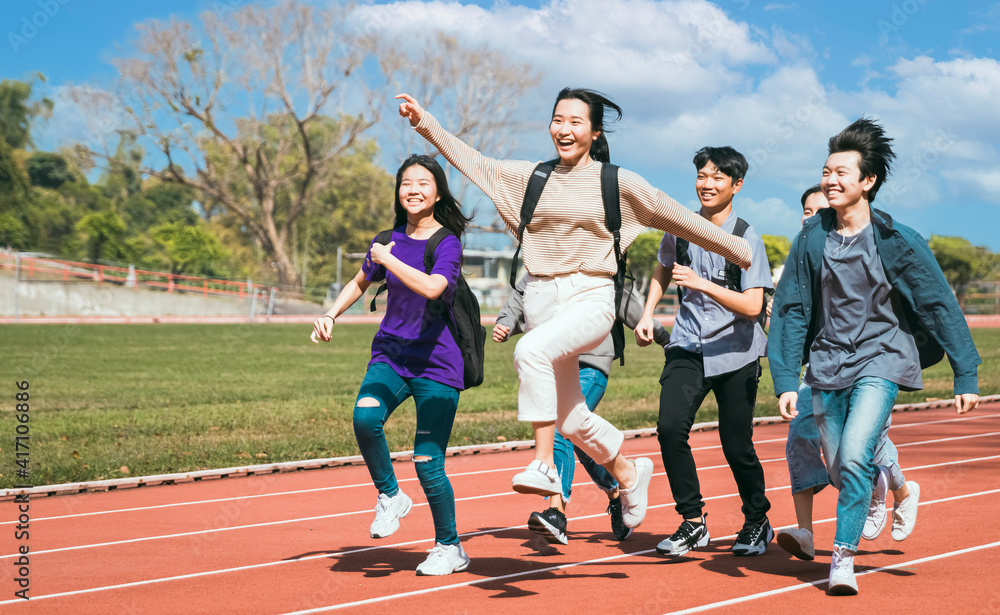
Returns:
<point x="868" y="139"/>
<point x="597" y="103"/>
<point x="447" y="211"/>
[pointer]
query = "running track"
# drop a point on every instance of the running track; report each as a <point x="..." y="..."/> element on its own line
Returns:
<point x="298" y="542"/>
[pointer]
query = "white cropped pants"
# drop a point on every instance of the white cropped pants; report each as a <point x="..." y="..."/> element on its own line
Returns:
<point x="564" y="316"/>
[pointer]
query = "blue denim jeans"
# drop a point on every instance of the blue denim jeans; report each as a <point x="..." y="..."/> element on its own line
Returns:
<point x="850" y="424"/>
<point x="593" y="383"/>
<point x="436" y="406"/>
<point x="803" y="451"/>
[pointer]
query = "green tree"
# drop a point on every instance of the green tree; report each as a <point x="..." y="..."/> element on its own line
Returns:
<point x="104" y="233"/>
<point x="642" y="258"/>
<point x="17" y="112"/>
<point x="49" y="170"/>
<point x="191" y="250"/>
<point x="962" y="262"/>
<point x="290" y="60"/>
<point x="777" y="247"/>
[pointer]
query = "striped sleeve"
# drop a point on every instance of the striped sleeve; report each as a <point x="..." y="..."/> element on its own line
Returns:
<point x="503" y="181"/>
<point x="644" y="206"/>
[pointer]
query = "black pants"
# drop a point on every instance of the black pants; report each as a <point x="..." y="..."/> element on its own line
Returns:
<point x="683" y="386"/>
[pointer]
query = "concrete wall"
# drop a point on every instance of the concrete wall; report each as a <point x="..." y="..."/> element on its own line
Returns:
<point x="83" y="298"/>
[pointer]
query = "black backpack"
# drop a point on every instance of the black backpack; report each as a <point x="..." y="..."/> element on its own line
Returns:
<point x="612" y="220"/>
<point x="466" y="327"/>
<point x="734" y="277"/>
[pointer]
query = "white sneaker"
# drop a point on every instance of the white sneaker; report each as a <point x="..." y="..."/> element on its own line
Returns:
<point x="538" y="479"/>
<point x="876" y="509"/>
<point x="798" y="542"/>
<point x="842" y="581"/>
<point x="388" y="512"/>
<point x="634" y="500"/>
<point x="904" y="515"/>
<point x="443" y="559"/>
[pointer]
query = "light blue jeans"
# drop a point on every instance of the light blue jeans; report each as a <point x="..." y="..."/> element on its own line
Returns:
<point x="436" y="407"/>
<point x="803" y="451"/>
<point x="593" y="383"/>
<point x="850" y="423"/>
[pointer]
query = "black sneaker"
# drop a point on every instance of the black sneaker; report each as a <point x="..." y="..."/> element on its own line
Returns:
<point x="618" y="527"/>
<point x="550" y="525"/>
<point x="753" y="538"/>
<point x="688" y="536"/>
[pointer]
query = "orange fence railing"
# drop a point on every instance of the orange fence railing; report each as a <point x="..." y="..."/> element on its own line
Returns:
<point x="35" y="268"/>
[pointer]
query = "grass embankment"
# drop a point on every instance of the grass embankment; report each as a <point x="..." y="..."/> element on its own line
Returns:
<point x="114" y="400"/>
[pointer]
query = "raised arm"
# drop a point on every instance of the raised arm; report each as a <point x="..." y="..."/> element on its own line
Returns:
<point x="503" y="181"/>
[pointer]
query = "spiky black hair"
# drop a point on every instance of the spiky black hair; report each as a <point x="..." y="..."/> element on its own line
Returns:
<point x="868" y="139"/>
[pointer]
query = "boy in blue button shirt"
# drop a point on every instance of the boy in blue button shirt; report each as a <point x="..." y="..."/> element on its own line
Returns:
<point x="864" y="299"/>
<point x="715" y="345"/>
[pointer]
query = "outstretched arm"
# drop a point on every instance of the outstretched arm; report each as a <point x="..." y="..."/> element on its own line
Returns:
<point x="648" y="206"/>
<point x="503" y="182"/>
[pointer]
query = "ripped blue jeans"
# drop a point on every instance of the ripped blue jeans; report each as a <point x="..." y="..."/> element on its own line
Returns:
<point x="436" y="406"/>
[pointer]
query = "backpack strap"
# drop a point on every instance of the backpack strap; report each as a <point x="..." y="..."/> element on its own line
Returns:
<point x="432" y="244"/>
<point x="734" y="275"/>
<point x="429" y="249"/>
<point x="611" y="196"/>
<point x="384" y="238"/>
<point x="536" y="183"/>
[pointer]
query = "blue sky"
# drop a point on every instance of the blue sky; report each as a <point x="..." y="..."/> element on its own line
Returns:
<point x="774" y="80"/>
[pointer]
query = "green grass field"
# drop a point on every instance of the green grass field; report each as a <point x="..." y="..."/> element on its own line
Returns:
<point x="108" y="401"/>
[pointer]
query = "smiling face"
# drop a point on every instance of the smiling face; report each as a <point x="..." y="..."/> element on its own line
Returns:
<point x="571" y="132"/>
<point x="418" y="192"/>
<point x="715" y="188"/>
<point x="842" y="182"/>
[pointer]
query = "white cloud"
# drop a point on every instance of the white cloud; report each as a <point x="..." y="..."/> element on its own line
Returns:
<point x="781" y="127"/>
<point x="688" y="74"/>
<point x="945" y="121"/>
<point x="667" y="55"/>
<point x="985" y="182"/>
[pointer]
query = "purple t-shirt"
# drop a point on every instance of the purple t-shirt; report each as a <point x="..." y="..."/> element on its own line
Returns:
<point x="414" y="338"/>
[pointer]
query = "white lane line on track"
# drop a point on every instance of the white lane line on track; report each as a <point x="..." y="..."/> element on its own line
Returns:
<point x="978" y="435"/>
<point x="615" y="557"/>
<point x="301" y="491"/>
<point x="417" y="505"/>
<point x="406" y="480"/>
<point x="775" y="592"/>
<point x="415" y="542"/>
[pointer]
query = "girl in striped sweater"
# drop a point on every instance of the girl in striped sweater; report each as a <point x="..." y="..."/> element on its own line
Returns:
<point x="569" y="298"/>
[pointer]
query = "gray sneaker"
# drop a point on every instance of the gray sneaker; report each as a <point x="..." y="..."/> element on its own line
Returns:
<point x="689" y="535"/>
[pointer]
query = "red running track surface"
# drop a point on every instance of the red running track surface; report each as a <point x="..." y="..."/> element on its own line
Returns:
<point x="299" y="543"/>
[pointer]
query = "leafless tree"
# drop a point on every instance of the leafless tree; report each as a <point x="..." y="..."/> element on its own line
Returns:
<point x="474" y="92"/>
<point x="288" y="72"/>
